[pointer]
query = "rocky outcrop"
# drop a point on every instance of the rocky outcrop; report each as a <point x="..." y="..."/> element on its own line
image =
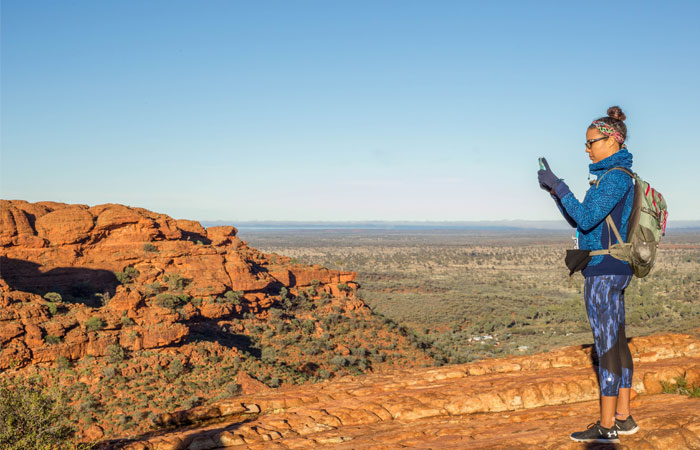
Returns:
<point x="114" y="266"/>
<point x="41" y="242"/>
<point x="517" y="402"/>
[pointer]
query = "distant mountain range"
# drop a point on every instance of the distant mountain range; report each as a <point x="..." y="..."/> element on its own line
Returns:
<point x="416" y="225"/>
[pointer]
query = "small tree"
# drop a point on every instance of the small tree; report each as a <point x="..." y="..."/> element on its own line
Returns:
<point x="233" y="297"/>
<point x="127" y="321"/>
<point x="51" y="339"/>
<point x="53" y="308"/>
<point x="115" y="353"/>
<point x="171" y="301"/>
<point x="268" y="355"/>
<point x="53" y="297"/>
<point x="94" y="324"/>
<point x="32" y="417"/>
<point x="63" y="362"/>
<point x="175" y="282"/>
<point x="176" y="368"/>
<point x="128" y="275"/>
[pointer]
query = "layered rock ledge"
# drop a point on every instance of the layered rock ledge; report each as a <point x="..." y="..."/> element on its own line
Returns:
<point x="534" y="402"/>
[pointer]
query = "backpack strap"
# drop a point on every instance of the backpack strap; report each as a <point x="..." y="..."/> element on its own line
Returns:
<point x="624" y="169"/>
<point x="608" y="219"/>
<point x="611" y="227"/>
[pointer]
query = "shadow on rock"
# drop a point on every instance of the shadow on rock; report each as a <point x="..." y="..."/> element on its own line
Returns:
<point x="206" y="439"/>
<point x="75" y="284"/>
<point x="211" y="332"/>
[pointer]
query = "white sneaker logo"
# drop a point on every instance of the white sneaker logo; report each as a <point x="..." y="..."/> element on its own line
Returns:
<point x="610" y="434"/>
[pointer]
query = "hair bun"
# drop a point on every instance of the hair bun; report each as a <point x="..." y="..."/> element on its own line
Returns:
<point x="616" y="113"/>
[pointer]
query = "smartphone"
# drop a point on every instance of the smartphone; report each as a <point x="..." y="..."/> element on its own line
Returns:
<point x="542" y="167"/>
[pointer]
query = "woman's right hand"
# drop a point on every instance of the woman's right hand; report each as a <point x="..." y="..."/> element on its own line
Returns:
<point x="546" y="177"/>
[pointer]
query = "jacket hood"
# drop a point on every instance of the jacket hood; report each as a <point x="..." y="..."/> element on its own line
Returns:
<point x="621" y="158"/>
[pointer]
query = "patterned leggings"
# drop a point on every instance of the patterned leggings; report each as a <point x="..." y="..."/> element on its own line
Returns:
<point x="605" y="305"/>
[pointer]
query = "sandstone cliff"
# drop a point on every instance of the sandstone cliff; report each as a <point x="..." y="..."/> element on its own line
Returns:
<point x="132" y="313"/>
<point x="79" y="252"/>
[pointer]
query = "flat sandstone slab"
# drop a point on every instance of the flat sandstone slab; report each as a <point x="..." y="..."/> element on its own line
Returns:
<point x="507" y="403"/>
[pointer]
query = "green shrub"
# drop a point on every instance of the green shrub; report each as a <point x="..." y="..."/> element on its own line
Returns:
<point x="233" y="297"/>
<point x="32" y="417"/>
<point x="267" y="355"/>
<point x="128" y="275"/>
<point x="308" y="326"/>
<point x="680" y="387"/>
<point x="62" y="362"/>
<point x="127" y="321"/>
<point x="115" y="353"/>
<point x="340" y="361"/>
<point x="176" y="368"/>
<point x="53" y="308"/>
<point x="150" y="247"/>
<point x="109" y="372"/>
<point x="94" y="324"/>
<point x="175" y="282"/>
<point x="51" y="339"/>
<point x="171" y="301"/>
<point x="343" y="287"/>
<point x="53" y="297"/>
<point x="191" y="402"/>
<point x="153" y="288"/>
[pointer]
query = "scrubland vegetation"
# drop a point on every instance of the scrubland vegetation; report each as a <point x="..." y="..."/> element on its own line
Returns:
<point x="307" y="337"/>
<point x="32" y="417"/>
<point x="469" y="295"/>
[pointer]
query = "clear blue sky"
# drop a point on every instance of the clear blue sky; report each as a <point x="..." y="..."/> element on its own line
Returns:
<point x="330" y="110"/>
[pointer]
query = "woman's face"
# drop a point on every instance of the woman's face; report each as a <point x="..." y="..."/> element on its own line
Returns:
<point x="600" y="149"/>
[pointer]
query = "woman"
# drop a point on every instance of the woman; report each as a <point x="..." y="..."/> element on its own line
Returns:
<point x="605" y="277"/>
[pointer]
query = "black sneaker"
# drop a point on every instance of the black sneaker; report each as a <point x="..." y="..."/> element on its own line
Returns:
<point x="627" y="426"/>
<point x="596" y="433"/>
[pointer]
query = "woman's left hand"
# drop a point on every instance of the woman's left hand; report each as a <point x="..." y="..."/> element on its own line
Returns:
<point x="546" y="177"/>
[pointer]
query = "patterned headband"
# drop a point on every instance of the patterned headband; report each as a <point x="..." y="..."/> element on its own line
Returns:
<point x="608" y="130"/>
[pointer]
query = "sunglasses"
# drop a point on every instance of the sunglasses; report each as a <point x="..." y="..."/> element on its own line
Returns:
<point x="589" y="143"/>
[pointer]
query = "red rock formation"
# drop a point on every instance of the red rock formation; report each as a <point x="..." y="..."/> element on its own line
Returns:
<point x="77" y="251"/>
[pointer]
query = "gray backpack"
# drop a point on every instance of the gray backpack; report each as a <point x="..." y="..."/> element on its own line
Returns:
<point x="647" y="223"/>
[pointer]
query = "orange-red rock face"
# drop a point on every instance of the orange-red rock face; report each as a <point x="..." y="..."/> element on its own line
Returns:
<point x="42" y="242"/>
<point x="77" y="251"/>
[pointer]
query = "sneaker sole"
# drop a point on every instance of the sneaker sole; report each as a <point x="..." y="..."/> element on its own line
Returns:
<point x="628" y="432"/>
<point x="597" y="441"/>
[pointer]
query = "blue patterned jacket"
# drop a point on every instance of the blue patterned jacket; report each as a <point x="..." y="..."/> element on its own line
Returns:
<point x="613" y="196"/>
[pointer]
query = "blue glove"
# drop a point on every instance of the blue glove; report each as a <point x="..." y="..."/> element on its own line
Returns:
<point x="546" y="177"/>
